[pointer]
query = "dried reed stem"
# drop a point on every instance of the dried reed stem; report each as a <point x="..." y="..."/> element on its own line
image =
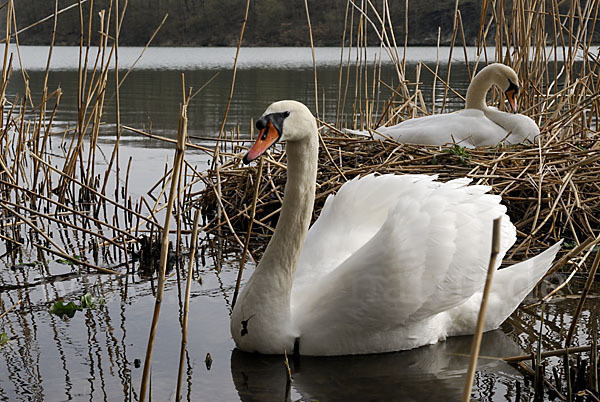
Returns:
<point x="49" y="17"/>
<point x="177" y="166"/>
<point x="186" y="306"/>
<point x="312" y="49"/>
<point x="13" y="306"/>
<point x="249" y="233"/>
<point x="59" y="251"/>
<point x="550" y="353"/>
<point x="476" y="343"/>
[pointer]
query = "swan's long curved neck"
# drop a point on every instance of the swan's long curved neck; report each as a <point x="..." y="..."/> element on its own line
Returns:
<point x="284" y="249"/>
<point x="266" y="295"/>
<point x="478" y="89"/>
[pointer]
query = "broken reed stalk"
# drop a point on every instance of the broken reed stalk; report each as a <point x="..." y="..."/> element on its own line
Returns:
<point x="165" y="139"/>
<point x="186" y="306"/>
<point x="13" y="306"/>
<point x="248" y="234"/>
<point x="549" y="353"/>
<point x="143" y="50"/>
<point x="164" y="250"/>
<point x="476" y="343"/>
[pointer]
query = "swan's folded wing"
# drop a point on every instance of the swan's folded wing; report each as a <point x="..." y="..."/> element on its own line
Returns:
<point x="430" y="254"/>
<point x="348" y="221"/>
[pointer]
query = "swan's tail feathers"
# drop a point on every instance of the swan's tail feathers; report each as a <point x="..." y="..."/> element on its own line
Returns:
<point x="377" y="134"/>
<point x="511" y="285"/>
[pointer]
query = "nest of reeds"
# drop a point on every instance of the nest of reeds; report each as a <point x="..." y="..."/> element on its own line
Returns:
<point x="550" y="190"/>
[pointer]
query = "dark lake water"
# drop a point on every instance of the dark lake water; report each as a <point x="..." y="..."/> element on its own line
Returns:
<point x="151" y="94"/>
<point x="95" y="355"/>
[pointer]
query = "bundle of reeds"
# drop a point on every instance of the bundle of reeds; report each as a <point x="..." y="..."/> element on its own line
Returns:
<point x="49" y="176"/>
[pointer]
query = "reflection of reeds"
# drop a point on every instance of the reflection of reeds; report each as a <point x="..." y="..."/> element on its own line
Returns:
<point x="186" y="307"/>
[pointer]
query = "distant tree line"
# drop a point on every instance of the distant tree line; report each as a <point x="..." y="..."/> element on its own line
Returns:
<point x="218" y="22"/>
<point x="270" y="22"/>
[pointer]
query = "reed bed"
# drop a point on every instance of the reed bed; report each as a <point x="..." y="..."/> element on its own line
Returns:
<point x="50" y="180"/>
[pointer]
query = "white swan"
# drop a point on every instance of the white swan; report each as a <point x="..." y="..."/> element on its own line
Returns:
<point x="475" y="126"/>
<point x="392" y="263"/>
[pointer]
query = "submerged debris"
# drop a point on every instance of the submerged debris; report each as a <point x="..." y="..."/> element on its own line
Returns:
<point x="148" y="255"/>
<point x="4" y="339"/>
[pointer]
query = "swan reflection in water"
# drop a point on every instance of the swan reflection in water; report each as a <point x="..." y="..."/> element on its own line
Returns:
<point x="435" y="372"/>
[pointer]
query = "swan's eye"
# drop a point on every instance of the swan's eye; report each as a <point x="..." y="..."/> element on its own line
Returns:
<point x="286" y="114"/>
<point x="264" y="135"/>
<point x="513" y="87"/>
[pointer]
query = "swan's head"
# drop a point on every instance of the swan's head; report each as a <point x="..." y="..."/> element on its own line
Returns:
<point x="506" y="79"/>
<point x="282" y="121"/>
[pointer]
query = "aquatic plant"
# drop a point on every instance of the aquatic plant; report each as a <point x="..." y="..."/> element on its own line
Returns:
<point x="87" y="301"/>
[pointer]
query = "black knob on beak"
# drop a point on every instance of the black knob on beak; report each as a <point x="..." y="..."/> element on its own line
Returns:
<point x="261" y="123"/>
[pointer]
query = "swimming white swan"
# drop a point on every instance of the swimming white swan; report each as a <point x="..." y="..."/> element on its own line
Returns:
<point x="392" y="263"/>
<point x="477" y="125"/>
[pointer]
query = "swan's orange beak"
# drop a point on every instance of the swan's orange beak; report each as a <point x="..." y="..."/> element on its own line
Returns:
<point x="267" y="137"/>
<point x="511" y="95"/>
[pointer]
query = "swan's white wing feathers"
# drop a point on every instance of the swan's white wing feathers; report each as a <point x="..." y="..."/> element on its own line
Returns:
<point x="414" y="266"/>
<point x="474" y="216"/>
<point x="347" y="221"/>
<point x="519" y="128"/>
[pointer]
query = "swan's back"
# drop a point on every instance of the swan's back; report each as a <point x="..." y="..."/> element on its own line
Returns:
<point x="469" y="128"/>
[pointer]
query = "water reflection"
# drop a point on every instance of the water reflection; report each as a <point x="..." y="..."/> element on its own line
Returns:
<point x="430" y="373"/>
<point x="92" y="356"/>
<point x="149" y="99"/>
